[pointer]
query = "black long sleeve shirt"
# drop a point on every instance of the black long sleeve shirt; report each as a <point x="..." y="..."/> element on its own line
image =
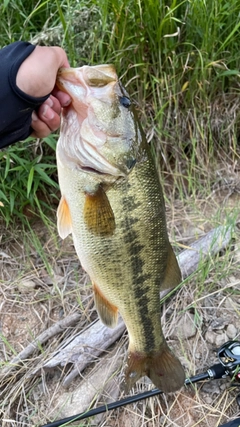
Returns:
<point x="16" y="107"/>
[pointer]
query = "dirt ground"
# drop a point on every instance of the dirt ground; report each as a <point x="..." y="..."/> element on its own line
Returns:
<point x="42" y="283"/>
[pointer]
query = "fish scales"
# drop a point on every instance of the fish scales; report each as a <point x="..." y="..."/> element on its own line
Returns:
<point x="133" y="251"/>
<point x="131" y="264"/>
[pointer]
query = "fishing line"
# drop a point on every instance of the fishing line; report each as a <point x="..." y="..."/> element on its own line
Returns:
<point x="229" y="357"/>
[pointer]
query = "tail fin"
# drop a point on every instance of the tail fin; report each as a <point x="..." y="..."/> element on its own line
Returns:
<point x="162" y="367"/>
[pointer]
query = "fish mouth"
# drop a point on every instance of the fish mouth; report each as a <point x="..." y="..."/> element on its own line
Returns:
<point x="83" y="84"/>
<point x="97" y="76"/>
<point x="129" y="164"/>
<point x="88" y="169"/>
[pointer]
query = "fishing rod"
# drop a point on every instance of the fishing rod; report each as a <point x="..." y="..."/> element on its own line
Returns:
<point x="229" y="358"/>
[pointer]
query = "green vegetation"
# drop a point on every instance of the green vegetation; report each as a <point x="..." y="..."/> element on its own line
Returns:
<point x="180" y="61"/>
<point x="24" y="175"/>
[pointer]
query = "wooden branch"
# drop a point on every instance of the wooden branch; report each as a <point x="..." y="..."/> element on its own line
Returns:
<point x="41" y="339"/>
<point x="85" y="347"/>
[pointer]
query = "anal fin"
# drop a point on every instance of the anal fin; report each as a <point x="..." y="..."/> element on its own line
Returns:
<point x="98" y="214"/>
<point x="64" y="220"/>
<point x="108" y="312"/>
<point x="173" y="274"/>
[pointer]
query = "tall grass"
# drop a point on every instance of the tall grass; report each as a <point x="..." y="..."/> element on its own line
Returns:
<point x="190" y="41"/>
<point x="176" y="58"/>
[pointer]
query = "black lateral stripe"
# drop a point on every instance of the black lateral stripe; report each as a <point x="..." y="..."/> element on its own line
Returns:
<point x="135" y="249"/>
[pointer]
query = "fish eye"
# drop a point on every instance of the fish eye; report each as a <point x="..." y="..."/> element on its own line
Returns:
<point x="124" y="101"/>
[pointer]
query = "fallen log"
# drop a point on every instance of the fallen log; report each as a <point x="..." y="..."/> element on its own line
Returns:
<point x="85" y="347"/>
<point x="100" y="386"/>
<point x="207" y="246"/>
<point x="89" y="344"/>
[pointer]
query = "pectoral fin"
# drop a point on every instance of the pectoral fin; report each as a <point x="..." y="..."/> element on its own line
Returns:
<point x="173" y="274"/>
<point x="98" y="214"/>
<point x="64" y="220"/>
<point x="108" y="313"/>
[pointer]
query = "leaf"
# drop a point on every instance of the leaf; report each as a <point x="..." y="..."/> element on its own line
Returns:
<point x="30" y="180"/>
<point x="184" y="86"/>
<point x="12" y="200"/>
<point x="5" y="4"/>
<point x="3" y="196"/>
<point x="229" y="73"/>
<point x="44" y="176"/>
<point x="7" y="166"/>
<point x="51" y="141"/>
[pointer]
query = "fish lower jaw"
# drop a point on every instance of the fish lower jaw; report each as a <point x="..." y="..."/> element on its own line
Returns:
<point x="107" y="175"/>
<point x="91" y="170"/>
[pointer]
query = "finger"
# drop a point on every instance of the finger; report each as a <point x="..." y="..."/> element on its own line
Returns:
<point x="51" y="102"/>
<point x="40" y="129"/>
<point x="36" y="75"/>
<point x="63" y="97"/>
<point x="61" y="56"/>
<point x="43" y="128"/>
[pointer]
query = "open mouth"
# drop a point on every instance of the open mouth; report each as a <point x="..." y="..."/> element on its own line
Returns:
<point x="92" y="170"/>
<point x="84" y="128"/>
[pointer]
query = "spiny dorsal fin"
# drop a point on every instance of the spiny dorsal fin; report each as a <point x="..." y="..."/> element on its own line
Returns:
<point x="172" y="274"/>
<point x="64" y="220"/>
<point x="108" y="313"/>
<point x="98" y="214"/>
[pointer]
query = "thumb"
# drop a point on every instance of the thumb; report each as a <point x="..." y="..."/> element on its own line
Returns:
<point x="37" y="74"/>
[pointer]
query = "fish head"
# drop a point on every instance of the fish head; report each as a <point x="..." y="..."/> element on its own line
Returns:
<point x="99" y="132"/>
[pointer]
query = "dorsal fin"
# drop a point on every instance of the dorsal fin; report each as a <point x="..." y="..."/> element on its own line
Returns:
<point x="98" y="214"/>
<point x="64" y="220"/>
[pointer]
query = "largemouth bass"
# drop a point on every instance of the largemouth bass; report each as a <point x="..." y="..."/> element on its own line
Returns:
<point x="113" y="206"/>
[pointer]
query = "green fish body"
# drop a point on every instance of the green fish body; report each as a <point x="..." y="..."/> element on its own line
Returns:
<point x="115" y="210"/>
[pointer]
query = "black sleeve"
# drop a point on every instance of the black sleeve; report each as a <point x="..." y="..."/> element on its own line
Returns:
<point x="16" y="107"/>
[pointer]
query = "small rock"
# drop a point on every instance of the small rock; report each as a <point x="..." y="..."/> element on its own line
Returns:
<point x="210" y="337"/>
<point x="231" y="331"/>
<point x="217" y="324"/>
<point x="232" y="279"/>
<point x="186" y="327"/>
<point x="211" y="387"/>
<point x="26" y="285"/>
<point x="224" y="386"/>
<point x="221" y="339"/>
<point x="229" y="303"/>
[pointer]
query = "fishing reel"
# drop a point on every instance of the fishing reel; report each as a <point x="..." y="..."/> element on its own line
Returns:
<point x="229" y="357"/>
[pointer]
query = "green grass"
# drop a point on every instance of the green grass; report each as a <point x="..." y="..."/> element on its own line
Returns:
<point x="24" y="176"/>
<point x="176" y="58"/>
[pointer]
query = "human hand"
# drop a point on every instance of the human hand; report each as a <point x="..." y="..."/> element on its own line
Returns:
<point x="37" y="77"/>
